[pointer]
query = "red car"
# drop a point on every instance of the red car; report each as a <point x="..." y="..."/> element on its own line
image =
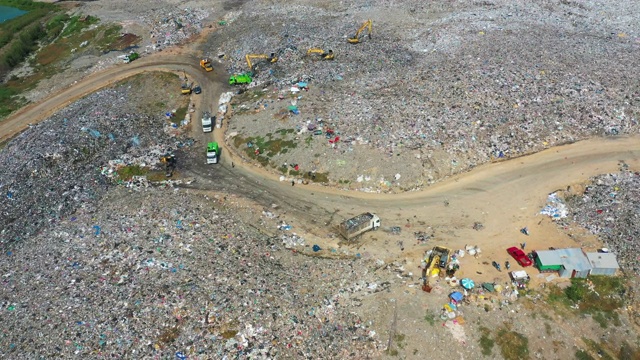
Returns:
<point x="520" y="256"/>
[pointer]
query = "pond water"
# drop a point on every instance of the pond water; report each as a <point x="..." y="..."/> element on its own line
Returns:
<point x="7" y="13"/>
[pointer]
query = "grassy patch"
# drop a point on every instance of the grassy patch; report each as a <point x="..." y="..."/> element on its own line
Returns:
<point x="399" y="339"/>
<point x="628" y="352"/>
<point x="599" y="296"/>
<point x="430" y="318"/>
<point x="598" y="348"/>
<point x="581" y="354"/>
<point x="264" y="148"/>
<point x="486" y="342"/>
<point x="169" y="335"/>
<point x="127" y="172"/>
<point x="49" y="33"/>
<point x="75" y="24"/>
<point x="513" y="345"/>
<point x="181" y="112"/>
<point x="156" y="175"/>
<point x="317" y="177"/>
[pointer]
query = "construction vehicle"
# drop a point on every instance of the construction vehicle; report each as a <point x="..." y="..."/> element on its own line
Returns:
<point x="323" y="55"/>
<point x="366" y="26"/>
<point x="434" y="263"/>
<point x="358" y="225"/>
<point x="213" y="153"/>
<point x="169" y="162"/>
<point x="206" y="64"/>
<point x="269" y="58"/>
<point x="185" y="87"/>
<point x="240" y="79"/>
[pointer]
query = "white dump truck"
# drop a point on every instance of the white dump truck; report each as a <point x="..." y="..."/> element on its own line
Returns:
<point x="207" y="122"/>
<point x="358" y="225"/>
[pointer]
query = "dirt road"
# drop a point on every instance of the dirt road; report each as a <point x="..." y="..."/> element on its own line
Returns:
<point x="503" y="196"/>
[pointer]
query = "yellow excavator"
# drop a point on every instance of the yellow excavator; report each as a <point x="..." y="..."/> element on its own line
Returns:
<point x="270" y="58"/>
<point x="366" y="26"/>
<point x="323" y="55"/>
<point x="169" y="162"/>
<point x="185" y="88"/>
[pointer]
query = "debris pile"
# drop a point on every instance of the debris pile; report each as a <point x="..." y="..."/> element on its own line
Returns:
<point x="55" y="167"/>
<point x="609" y="208"/>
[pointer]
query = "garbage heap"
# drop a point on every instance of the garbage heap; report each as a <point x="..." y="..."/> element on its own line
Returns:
<point x="609" y="208"/>
<point x="458" y="91"/>
<point x="53" y="168"/>
<point x="157" y="272"/>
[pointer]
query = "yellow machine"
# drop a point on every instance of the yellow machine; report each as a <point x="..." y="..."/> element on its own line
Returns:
<point x="356" y="38"/>
<point x="323" y="55"/>
<point x="169" y="163"/>
<point x="185" y="88"/>
<point x="436" y="263"/>
<point x="206" y="64"/>
<point x="270" y="58"/>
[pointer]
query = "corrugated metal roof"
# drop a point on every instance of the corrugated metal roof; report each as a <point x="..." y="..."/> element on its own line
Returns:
<point x="603" y="260"/>
<point x="549" y="257"/>
<point x="571" y="259"/>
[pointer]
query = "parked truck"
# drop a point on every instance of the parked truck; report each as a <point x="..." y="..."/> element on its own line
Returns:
<point x="358" y="225"/>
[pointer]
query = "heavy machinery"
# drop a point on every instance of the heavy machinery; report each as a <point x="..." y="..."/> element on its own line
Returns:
<point x="366" y="26"/>
<point x="185" y="87"/>
<point x="434" y="264"/>
<point x="269" y="58"/>
<point x="169" y="162"/>
<point x="206" y="64"/>
<point x="323" y="55"/>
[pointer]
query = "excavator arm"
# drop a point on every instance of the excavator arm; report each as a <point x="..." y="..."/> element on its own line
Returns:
<point x="368" y="25"/>
<point x="270" y="58"/>
<point x="325" y="55"/>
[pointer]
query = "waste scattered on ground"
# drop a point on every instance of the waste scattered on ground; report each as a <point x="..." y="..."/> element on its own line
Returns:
<point x="176" y="276"/>
<point x="609" y="208"/>
<point x="555" y="208"/>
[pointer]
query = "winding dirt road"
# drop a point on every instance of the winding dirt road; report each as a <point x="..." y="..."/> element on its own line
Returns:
<point x="503" y="196"/>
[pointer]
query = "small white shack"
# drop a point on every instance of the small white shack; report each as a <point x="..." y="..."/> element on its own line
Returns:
<point x="603" y="263"/>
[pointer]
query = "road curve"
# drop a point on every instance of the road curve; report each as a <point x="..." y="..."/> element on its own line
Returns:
<point x="36" y="112"/>
<point x="500" y="188"/>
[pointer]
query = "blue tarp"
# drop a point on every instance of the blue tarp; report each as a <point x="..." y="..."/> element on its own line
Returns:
<point x="457" y="296"/>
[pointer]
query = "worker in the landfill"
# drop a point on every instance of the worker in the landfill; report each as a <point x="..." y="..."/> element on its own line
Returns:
<point x="507" y="265"/>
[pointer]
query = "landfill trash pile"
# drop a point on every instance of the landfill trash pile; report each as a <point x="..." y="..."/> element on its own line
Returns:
<point x="555" y="208"/>
<point x="173" y="26"/>
<point x="139" y="277"/>
<point x="55" y="167"/>
<point x="609" y="208"/>
<point x="457" y="91"/>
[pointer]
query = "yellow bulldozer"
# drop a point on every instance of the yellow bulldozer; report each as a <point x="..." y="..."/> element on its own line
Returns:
<point x="324" y="55"/>
<point x="269" y="58"/>
<point x="206" y="64"/>
<point x="366" y="26"/>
